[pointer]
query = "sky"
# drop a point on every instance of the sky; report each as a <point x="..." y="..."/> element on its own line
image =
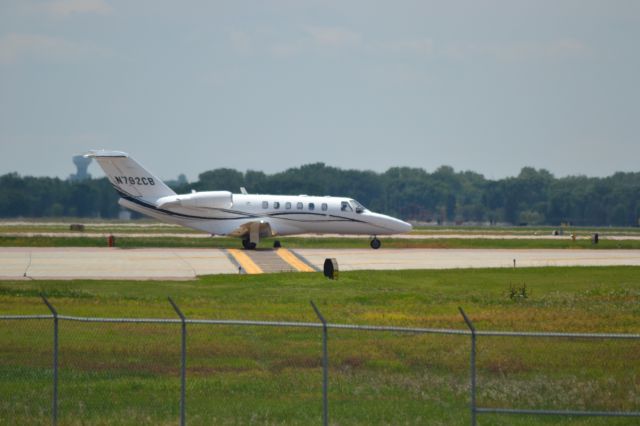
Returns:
<point x="190" y="86"/>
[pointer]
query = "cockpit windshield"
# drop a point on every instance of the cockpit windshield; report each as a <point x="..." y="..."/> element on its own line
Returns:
<point x="359" y="208"/>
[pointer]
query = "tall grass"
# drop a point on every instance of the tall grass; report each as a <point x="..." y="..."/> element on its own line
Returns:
<point x="128" y="374"/>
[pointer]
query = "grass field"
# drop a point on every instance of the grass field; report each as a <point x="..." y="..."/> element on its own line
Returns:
<point x="148" y="233"/>
<point x="128" y="374"/>
<point x="526" y="230"/>
<point x="151" y="226"/>
<point x="315" y="242"/>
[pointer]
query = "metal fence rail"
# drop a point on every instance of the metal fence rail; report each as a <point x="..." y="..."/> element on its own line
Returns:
<point x="325" y="326"/>
<point x="383" y="328"/>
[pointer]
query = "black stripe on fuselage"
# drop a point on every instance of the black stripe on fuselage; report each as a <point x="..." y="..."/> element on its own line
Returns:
<point x="336" y="218"/>
<point x="243" y="215"/>
<point x="141" y="203"/>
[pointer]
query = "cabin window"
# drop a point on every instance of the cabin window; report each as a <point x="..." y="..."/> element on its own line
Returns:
<point x="265" y="204"/>
<point x="287" y="205"/>
<point x="299" y="206"/>
<point x="312" y="206"/>
<point x="324" y="207"/>
<point x="345" y="207"/>
<point x="276" y="204"/>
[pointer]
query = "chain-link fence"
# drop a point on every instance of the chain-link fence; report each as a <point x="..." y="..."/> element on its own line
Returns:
<point x="83" y="370"/>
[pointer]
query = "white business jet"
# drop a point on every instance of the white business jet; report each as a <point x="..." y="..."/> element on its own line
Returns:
<point x="246" y="216"/>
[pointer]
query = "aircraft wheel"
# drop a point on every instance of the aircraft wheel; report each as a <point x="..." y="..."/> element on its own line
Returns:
<point x="276" y="244"/>
<point x="248" y="245"/>
<point x="375" y="243"/>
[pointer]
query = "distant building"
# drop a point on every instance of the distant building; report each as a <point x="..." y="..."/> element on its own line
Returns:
<point x="82" y="164"/>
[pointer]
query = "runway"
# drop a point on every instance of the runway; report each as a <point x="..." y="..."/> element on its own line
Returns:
<point x="184" y="264"/>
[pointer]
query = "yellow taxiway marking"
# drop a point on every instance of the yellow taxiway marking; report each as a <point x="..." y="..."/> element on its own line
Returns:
<point x="245" y="261"/>
<point x="293" y="260"/>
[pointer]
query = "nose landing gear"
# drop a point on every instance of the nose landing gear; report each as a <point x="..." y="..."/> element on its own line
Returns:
<point x="375" y="243"/>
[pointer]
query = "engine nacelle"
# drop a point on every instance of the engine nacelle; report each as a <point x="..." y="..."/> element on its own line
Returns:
<point x="206" y="199"/>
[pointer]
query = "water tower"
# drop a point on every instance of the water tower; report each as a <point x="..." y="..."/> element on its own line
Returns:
<point x="82" y="164"/>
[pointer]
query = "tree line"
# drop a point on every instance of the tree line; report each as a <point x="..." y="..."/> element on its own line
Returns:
<point x="534" y="197"/>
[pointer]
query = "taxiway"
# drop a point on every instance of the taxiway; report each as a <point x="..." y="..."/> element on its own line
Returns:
<point x="180" y="264"/>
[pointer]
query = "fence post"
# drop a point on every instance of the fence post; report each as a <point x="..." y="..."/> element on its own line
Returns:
<point x="473" y="366"/>
<point x="183" y="362"/>
<point x="325" y="367"/>
<point x="54" y="408"/>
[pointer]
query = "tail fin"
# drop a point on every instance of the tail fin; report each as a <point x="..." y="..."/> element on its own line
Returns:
<point x="129" y="177"/>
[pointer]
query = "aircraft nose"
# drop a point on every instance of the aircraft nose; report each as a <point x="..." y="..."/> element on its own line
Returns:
<point x="402" y="226"/>
<point x="398" y="226"/>
<point x="390" y="224"/>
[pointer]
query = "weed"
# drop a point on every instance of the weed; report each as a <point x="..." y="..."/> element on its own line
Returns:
<point x="518" y="292"/>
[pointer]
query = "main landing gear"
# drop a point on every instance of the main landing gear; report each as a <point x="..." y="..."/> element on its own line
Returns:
<point x="251" y="239"/>
<point x="375" y="243"/>
<point x="248" y="245"/>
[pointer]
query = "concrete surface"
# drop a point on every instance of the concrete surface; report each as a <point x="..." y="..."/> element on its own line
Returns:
<point x="355" y="259"/>
<point x="140" y="264"/>
<point x="111" y="263"/>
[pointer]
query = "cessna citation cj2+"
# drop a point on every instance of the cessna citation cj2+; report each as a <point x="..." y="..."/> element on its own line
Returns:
<point x="246" y="216"/>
